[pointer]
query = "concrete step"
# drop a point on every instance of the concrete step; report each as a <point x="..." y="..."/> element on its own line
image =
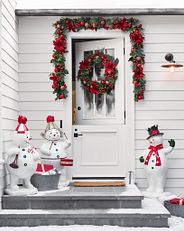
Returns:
<point x="152" y="214"/>
<point x="78" y="198"/>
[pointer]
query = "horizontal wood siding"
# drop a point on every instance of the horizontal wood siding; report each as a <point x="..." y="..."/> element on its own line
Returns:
<point x="9" y="78"/>
<point x="35" y="52"/>
<point x="164" y="96"/>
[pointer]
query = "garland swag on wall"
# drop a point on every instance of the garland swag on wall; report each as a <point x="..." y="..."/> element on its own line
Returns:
<point x="65" y="25"/>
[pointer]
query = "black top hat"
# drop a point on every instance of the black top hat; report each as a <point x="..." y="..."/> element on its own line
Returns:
<point x="153" y="131"/>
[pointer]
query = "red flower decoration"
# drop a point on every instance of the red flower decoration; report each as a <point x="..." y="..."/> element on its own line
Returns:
<point x="84" y="64"/>
<point x="60" y="45"/>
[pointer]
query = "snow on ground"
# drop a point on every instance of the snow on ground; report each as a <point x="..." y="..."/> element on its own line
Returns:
<point x="175" y="223"/>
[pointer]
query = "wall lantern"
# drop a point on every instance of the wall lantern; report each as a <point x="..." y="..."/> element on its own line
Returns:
<point x="171" y="63"/>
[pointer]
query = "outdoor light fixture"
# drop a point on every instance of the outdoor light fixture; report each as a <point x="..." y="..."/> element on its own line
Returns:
<point x="171" y="63"/>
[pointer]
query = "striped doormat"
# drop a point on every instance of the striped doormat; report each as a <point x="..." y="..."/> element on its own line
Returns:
<point x="98" y="183"/>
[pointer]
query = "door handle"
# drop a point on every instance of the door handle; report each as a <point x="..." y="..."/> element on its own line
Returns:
<point x="77" y="134"/>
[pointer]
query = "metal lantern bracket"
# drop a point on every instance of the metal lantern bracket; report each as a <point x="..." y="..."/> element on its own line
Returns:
<point x="170" y="58"/>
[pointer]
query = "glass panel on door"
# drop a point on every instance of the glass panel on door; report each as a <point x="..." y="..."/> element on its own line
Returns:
<point x="98" y="106"/>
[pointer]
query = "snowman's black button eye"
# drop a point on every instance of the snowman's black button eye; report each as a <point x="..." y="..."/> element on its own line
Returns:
<point x="56" y="150"/>
<point x="23" y="149"/>
<point x="25" y="164"/>
<point x="54" y="143"/>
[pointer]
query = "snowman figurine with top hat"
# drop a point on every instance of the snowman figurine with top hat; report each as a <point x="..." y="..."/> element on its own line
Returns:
<point x="21" y="161"/>
<point x="54" y="149"/>
<point x="155" y="162"/>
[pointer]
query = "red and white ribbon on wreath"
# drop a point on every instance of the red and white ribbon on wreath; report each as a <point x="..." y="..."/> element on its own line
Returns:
<point x="154" y="149"/>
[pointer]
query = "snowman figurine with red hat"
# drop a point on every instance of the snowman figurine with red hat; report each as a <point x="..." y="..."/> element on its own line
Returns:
<point x="155" y="162"/>
<point x="21" y="161"/>
<point x="53" y="151"/>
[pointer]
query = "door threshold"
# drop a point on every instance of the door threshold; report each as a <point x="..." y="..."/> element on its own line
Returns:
<point x="98" y="178"/>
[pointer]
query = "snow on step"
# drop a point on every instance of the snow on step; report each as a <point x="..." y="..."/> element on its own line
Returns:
<point x="152" y="214"/>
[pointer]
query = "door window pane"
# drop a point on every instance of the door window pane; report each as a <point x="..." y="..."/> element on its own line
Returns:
<point x="98" y="106"/>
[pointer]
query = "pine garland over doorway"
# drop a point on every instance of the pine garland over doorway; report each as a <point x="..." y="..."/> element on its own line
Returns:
<point x="65" y="25"/>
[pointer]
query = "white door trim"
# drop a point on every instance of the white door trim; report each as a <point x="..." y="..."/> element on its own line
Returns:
<point x="129" y="96"/>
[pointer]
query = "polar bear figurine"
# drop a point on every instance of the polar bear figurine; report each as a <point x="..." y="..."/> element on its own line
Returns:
<point x="54" y="148"/>
<point x="21" y="161"/>
<point x="155" y="162"/>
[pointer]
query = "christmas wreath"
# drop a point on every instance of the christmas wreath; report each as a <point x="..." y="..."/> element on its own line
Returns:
<point x="65" y="25"/>
<point x="96" y="62"/>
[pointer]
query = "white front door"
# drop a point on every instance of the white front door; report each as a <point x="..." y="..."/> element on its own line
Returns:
<point x="99" y="134"/>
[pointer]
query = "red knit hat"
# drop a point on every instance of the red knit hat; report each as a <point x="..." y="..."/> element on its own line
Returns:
<point x="51" y="123"/>
<point x="21" y="128"/>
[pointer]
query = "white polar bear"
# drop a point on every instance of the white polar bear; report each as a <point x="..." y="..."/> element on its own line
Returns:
<point x="54" y="149"/>
<point x="21" y="161"/>
<point x="155" y="162"/>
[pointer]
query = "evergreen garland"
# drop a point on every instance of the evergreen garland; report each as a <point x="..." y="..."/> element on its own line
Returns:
<point x="65" y="25"/>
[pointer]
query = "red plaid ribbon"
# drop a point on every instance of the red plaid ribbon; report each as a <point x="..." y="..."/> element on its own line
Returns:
<point x="154" y="150"/>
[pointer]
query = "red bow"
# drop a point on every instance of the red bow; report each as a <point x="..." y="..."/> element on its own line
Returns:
<point x="154" y="150"/>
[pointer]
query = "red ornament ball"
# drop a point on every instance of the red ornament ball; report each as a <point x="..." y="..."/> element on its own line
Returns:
<point x="138" y="58"/>
<point x="102" y="22"/>
<point x="140" y="97"/>
<point x="82" y="23"/>
<point x="86" y="25"/>
<point x="94" y="25"/>
<point x="63" y="87"/>
<point x="62" y="36"/>
<point x="62" y="96"/>
<point x="109" y="72"/>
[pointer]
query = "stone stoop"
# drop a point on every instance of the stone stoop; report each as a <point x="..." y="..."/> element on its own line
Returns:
<point x="78" y="198"/>
<point x="152" y="214"/>
<point x="120" y="206"/>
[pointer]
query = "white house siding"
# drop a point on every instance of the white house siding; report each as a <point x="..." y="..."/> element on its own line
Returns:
<point x="164" y="97"/>
<point x="35" y="52"/>
<point x="9" y="77"/>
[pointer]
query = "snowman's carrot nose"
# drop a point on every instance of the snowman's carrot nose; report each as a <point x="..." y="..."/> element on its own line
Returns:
<point x="30" y="138"/>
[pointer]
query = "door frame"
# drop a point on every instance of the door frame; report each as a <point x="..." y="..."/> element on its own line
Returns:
<point x="129" y="96"/>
